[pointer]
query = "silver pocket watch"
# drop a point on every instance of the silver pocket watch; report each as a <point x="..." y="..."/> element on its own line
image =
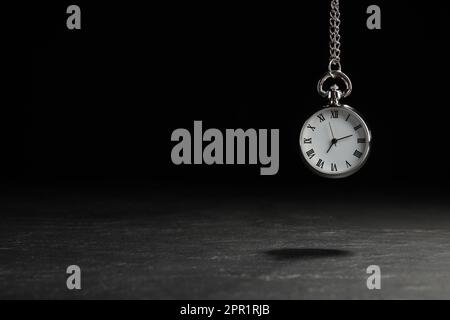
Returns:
<point x="335" y="141"/>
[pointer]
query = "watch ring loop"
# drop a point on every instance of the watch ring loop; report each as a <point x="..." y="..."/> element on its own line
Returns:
<point x="336" y="74"/>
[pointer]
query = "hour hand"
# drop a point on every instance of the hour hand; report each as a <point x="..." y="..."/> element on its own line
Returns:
<point x="344" y="137"/>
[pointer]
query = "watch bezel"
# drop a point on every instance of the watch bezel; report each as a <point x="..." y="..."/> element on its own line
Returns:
<point x="364" y="156"/>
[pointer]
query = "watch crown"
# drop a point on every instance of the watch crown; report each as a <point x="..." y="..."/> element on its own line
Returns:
<point x="334" y="95"/>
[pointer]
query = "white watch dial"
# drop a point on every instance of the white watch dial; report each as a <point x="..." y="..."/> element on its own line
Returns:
<point x="335" y="141"/>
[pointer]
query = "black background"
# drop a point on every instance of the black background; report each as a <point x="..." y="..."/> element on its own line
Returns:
<point x="106" y="99"/>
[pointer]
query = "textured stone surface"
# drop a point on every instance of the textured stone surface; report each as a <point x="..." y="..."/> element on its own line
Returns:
<point x="223" y="248"/>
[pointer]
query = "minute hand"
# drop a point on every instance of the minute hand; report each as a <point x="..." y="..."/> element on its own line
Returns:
<point x="344" y="137"/>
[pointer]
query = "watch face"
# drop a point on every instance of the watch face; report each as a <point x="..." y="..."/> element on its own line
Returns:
<point x="335" y="142"/>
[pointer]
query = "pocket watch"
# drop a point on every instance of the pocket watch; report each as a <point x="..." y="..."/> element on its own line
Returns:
<point x="335" y="141"/>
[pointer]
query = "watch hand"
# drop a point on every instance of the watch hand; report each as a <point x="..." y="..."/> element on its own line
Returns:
<point x="332" y="134"/>
<point x="331" y="146"/>
<point x="333" y="142"/>
<point x="344" y="137"/>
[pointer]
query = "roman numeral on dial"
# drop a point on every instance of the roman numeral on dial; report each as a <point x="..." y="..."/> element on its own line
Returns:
<point x="358" y="127"/>
<point x="357" y="154"/>
<point x="348" y="164"/>
<point x="310" y="154"/>
<point x="321" y="117"/>
<point x="307" y="141"/>
<point x="361" y="140"/>
<point x="334" y="167"/>
<point x="311" y="127"/>
<point x="334" y="114"/>
<point x="320" y="163"/>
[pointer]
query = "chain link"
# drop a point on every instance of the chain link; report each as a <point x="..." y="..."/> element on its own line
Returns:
<point x="335" y="37"/>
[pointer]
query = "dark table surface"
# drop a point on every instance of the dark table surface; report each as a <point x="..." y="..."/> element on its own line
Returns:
<point x="204" y="245"/>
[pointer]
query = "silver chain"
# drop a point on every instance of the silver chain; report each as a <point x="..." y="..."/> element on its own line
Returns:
<point x="335" y="37"/>
<point x="334" y="67"/>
